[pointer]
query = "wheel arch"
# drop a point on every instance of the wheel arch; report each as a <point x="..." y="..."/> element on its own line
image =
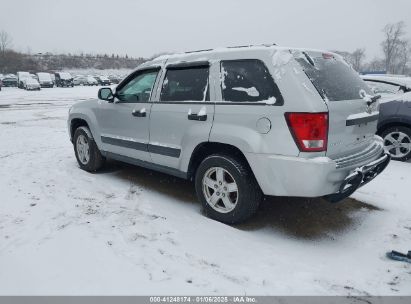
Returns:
<point x="204" y="149"/>
<point x="76" y="123"/>
<point x="390" y="124"/>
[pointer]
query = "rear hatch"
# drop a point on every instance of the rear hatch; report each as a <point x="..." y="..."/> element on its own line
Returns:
<point x="352" y="123"/>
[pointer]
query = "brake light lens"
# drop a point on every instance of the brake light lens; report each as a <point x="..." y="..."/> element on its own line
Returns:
<point x="328" y="56"/>
<point x="310" y="130"/>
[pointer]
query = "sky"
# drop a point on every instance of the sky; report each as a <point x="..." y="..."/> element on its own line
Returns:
<point x="145" y="28"/>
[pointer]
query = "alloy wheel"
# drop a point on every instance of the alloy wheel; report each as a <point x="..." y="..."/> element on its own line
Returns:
<point x="83" y="149"/>
<point x="398" y="144"/>
<point x="220" y="189"/>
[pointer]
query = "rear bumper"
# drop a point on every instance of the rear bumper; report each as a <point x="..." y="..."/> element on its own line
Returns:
<point x="359" y="178"/>
<point x="314" y="177"/>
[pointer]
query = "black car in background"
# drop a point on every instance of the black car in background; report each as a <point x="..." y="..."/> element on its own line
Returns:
<point x="114" y="79"/>
<point x="394" y="124"/>
<point x="64" y="79"/>
<point x="103" y="80"/>
<point x="9" y="81"/>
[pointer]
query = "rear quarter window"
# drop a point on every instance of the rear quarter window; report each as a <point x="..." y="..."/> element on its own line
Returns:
<point x="248" y="81"/>
<point x="334" y="79"/>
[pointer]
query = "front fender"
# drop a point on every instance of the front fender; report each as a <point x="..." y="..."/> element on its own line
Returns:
<point x="87" y="115"/>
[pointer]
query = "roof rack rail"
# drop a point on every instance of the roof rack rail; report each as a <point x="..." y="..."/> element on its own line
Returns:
<point x="251" y="45"/>
<point x="232" y="47"/>
<point x="205" y="50"/>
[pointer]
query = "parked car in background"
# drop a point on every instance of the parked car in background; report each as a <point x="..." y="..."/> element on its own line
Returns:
<point x="114" y="79"/>
<point x="244" y="121"/>
<point x="45" y="80"/>
<point x="53" y="78"/>
<point x="394" y="124"/>
<point x="64" y="79"/>
<point x="31" y="84"/>
<point x="85" y="80"/>
<point x="91" y="81"/>
<point x="10" y="81"/>
<point x="80" y="80"/>
<point x="103" y="80"/>
<point x="21" y="77"/>
<point x="388" y="84"/>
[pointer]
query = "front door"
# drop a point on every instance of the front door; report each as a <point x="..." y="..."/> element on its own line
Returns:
<point x="124" y="123"/>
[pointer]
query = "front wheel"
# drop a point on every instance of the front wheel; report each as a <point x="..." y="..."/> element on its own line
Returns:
<point x="227" y="189"/>
<point x="397" y="142"/>
<point x="87" y="153"/>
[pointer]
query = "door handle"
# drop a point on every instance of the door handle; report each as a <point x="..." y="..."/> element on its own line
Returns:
<point x="200" y="116"/>
<point x="197" y="117"/>
<point x="139" y="113"/>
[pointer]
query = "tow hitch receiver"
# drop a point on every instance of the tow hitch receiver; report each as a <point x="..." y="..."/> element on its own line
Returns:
<point x="359" y="178"/>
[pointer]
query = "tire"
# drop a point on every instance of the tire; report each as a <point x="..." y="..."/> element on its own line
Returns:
<point x="244" y="201"/>
<point x="399" y="140"/>
<point x="92" y="160"/>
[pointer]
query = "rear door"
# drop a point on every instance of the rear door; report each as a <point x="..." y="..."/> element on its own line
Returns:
<point x="352" y="123"/>
<point x="182" y="116"/>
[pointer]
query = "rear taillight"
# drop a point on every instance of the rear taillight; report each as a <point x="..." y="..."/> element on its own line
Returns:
<point x="310" y="130"/>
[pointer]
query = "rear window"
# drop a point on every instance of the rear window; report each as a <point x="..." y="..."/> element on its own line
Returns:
<point x="332" y="77"/>
<point x="248" y="81"/>
<point x="185" y="84"/>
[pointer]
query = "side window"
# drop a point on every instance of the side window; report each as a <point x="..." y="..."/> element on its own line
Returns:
<point x="186" y="84"/>
<point x="248" y="81"/>
<point x="138" y="89"/>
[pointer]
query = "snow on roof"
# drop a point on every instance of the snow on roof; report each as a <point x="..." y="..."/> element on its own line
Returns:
<point x="31" y="80"/>
<point x="205" y="54"/>
<point x="65" y="75"/>
<point x="44" y="76"/>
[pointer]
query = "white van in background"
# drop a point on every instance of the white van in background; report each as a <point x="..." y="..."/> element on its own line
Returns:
<point x="21" y="77"/>
<point x="45" y="80"/>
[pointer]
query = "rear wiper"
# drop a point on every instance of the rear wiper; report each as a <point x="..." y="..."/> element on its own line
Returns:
<point x="373" y="99"/>
<point x="309" y="59"/>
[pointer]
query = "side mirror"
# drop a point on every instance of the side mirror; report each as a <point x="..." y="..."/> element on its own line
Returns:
<point x="106" y="94"/>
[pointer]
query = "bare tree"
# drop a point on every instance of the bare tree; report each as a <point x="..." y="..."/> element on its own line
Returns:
<point x="391" y="45"/>
<point x="357" y="59"/>
<point x="5" y="41"/>
<point x="404" y="55"/>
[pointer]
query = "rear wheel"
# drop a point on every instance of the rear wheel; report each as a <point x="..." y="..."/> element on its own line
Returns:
<point x="397" y="142"/>
<point x="87" y="153"/>
<point x="227" y="189"/>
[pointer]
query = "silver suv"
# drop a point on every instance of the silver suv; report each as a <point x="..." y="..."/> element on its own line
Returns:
<point x="240" y="122"/>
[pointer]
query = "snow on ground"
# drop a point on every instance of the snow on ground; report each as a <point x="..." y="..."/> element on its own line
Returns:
<point x="131" y="231"/>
